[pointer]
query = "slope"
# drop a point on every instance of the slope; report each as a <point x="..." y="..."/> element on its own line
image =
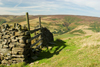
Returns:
<point x="82" y="51"/>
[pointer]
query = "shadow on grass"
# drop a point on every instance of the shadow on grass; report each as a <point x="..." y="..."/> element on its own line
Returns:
<point x="53" y="49"/>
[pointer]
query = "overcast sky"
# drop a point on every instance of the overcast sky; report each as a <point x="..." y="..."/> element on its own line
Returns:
<point x="50" y="7"/>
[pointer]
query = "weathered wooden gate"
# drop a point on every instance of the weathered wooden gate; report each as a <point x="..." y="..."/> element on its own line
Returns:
<point x="36" y="41"/>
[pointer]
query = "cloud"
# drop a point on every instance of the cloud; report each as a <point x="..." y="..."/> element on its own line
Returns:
<point x="1" y="3"/>
<point x="40" y="6"/>
<point x="18" y="3"/>
<point x="95" y="4"/>
<point x="10" y="11"/>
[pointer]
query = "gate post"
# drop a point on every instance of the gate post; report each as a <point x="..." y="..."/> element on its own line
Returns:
<point x="40" y="30"/>
<point x="27" y="19"/>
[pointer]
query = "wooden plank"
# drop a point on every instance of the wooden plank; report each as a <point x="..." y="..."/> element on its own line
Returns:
<point x="29" y="40"/>
<point x="37" y="47"/>
<point x="40" y="28"/>
<point x="35" y="43"/>
<point x="35" y="30"/>
<point x="36" y="36"/>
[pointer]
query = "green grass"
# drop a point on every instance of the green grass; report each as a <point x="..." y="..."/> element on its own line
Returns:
<point x="22" y="64"/>
<point x="67" y="53"/>
<point x="32" y="34"/>
<point x="65" y="36"/>
<point x="59" y="55"/>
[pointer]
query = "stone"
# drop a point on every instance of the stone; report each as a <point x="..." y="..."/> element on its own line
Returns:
<point x="8" y="54"/>
<point x="13" y="37"/>
<point x="37" y="62"/>
<point x="12" y="44"/>
<point x="13" y="33"/>
<point x="17" y="56"/>
<point x="14" y="62"/>
<point x="18" y="59"/>
<point x="17" y="33"/>
<point x="14" y="52"/>
<point x="5" y="46"/>
<point x="14" y="40"/>
<point x="8" y="64"/>
<point x="7" y="58"/>
<point x="5" y="33"/>
<point x="0" y="36"/>
<point x="4" y="61"/>
<point x="9" y="61"/>
<point x="22" y="41"/>
<point x="5" y="42"/>
<point x="0" y="46"/>
<point x="20" y="45"/>
<point x="31" y="64"/>
<point x="7" y="36"/>
<point x="3" y="30"/>
<point x="9" y="41"/>
<point x="17" y="51"/>
<point x="24" y="27"/>
<point x="7" y="26"/>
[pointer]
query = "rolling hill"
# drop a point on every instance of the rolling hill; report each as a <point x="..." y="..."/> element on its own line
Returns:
<point x="76" y="40"/>
<point x="57" y="24"/>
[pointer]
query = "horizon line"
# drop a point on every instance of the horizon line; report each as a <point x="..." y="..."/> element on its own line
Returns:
<point x="48" y="15"/>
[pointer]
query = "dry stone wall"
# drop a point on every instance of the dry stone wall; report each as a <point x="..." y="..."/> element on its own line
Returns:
<point x="13" y="46"/>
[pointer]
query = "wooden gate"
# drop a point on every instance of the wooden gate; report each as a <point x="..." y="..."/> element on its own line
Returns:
<point x="37" y="36"/>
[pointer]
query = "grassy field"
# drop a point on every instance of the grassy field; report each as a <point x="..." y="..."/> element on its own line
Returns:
<point x="74" y="52"/>
<point x="80" y="51"/>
